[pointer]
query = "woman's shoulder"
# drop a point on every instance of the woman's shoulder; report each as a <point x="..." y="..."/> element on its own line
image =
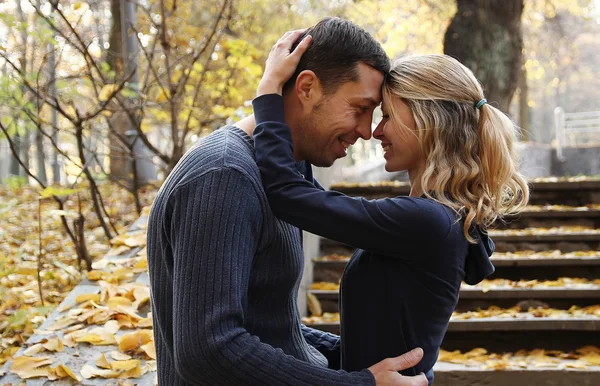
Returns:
<point x="426" y="214"/>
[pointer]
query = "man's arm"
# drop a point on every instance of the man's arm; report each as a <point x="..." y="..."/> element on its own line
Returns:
<point x="216" y="225"/>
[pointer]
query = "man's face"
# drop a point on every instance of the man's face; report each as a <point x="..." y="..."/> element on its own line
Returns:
<point x="339" y="119"/>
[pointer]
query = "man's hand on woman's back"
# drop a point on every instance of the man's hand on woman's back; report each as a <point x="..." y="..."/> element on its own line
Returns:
<point x="386" y="371"/>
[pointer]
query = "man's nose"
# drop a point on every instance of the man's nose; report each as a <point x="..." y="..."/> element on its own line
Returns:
<point x="364" y="129"/>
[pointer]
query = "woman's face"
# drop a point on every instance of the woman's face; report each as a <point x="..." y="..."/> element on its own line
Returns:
<point x="400" y="146"/>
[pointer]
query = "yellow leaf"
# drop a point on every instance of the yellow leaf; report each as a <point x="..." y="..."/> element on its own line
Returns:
<point x="35" y="349"/>
<point x="26" y="271"/>
<point x="95" y="275"/>
<point x="62" y="371"/>
<point x="116" y="301"/>
<point x="30" y="367"/>
<point x="134" y="340"/>
<point x="118" y="356"/>
<point x="149" y="349"/>
<point x="54" y="344"/>
<point x="112" y="327"/>
<point x="125" y="365"/>
<point x="88" y="372"/>
<point x="85" y="297"/>
<point x="97" y="339"/>
<point x="135" y="372"/>
<point x="102" y="362"/>
<point x="106" y="92"/>
<point x="162" y="97"/>
<point x="136" y="240"/>
<point x="77" y="5"/>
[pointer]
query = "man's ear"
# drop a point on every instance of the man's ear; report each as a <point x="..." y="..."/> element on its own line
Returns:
<point x="308" y="89"/>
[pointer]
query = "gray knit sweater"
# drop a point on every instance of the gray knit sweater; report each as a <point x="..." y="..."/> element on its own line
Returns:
<point x="224" y="275"/>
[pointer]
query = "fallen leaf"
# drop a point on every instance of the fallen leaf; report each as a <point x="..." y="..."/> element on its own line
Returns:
<point x="149" y="349"/>
<point x="134" y="340"/>
<point x="119" y="356"/>
<point x="62" y="371"/>
<point x="102" y="362"/>
<point x="31" y="367"/>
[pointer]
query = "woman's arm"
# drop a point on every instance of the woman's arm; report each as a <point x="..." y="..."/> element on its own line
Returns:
<point x="386" y="226"/>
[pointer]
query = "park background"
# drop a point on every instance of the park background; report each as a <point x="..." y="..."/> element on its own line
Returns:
<point x="100" y="99"/>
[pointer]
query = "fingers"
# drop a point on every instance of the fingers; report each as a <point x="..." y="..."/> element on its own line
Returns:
<point x="408" y="360"/>
<point x="289" y="38"/>
<point x="419" y="380"/>
<point x="301" y="48"/>
<point x="295" y="33"/>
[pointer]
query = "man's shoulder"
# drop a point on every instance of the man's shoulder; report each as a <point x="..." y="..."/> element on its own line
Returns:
<point x="227" y="150"/>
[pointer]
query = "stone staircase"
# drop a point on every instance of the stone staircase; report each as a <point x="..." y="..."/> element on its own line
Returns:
<point x="544" y="295"/>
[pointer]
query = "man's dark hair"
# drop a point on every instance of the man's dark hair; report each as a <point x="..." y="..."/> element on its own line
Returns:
<point x="337" y="46"/>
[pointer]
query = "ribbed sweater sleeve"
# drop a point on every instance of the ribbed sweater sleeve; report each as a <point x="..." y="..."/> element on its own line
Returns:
<point x="214" y="232"/>
<point x="326" y="343"/>
<point x="389" y="226"/>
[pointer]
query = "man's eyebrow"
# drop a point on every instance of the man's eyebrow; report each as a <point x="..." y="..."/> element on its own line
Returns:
<point x="369" y="100"/>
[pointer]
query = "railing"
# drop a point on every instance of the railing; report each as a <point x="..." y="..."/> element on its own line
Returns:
<point x="572" y="129"/>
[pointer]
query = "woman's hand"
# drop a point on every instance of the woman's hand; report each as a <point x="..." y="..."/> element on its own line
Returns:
<point x="281" y="63"/>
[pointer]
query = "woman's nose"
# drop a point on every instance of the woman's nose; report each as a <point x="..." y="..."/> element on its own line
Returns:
<point x="378" y="132"/>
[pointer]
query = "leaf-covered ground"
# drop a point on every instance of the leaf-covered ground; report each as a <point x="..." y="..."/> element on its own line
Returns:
<point x="21" y="310"/>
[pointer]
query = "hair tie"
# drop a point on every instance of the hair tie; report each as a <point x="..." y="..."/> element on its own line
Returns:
<point x="480" y="103"/>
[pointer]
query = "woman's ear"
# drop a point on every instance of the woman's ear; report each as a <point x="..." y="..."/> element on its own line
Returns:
<point x="308" y="89"/>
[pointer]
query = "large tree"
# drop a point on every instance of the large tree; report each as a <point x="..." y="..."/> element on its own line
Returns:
<point x="486" y="36"/>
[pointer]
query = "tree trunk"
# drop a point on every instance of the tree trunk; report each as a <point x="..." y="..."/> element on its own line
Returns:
<point x="137" y="157"/>
<point x="39" y="138"/>
<point x="524" y="105"/>
<point x="118" y="157"/>
<point x="54" y="118"/>
<point x="486" y="36"/>
<point x="20" y="139"/>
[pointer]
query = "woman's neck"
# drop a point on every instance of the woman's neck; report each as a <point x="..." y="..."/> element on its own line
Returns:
<point x="414" y="176"/>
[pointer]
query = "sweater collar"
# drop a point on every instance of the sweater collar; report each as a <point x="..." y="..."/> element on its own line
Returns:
<point x="241" y="133"/>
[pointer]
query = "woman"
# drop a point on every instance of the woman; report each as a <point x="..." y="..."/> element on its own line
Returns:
<point x="402" y="284"/>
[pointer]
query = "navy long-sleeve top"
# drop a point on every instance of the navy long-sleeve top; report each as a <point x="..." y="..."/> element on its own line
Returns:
<point x="402" y="284"/>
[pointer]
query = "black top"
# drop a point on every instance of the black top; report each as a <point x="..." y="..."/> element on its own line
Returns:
<point x="400" y="289"/>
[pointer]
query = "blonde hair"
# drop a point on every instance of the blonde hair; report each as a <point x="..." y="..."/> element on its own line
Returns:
<point x="471" y="162"/>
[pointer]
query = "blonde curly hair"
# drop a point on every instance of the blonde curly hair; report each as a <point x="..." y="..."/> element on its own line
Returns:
<point x="471" y="162"/>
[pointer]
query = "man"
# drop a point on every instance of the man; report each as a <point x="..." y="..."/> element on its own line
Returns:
<point x="224" y="272"/>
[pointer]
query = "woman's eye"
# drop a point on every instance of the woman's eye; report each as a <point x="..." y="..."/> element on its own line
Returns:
<point x="385" y="116"/>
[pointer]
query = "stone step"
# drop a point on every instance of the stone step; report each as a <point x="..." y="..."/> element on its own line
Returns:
<point x="473" y="298"/>
<point x="449" y="374"/>
<point x="501" y="236"/>
<point x="508" y="329"/>
<point x="565" y="242"/>
<point x="508" y="266"/>
<point x="568" y="216"/>
<point x="506" y="262"/>
<point x="468" y="292"/>
<point x="523" y="323"/>
<point x="526" y="259"/>
<point x="501" y="334"/>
